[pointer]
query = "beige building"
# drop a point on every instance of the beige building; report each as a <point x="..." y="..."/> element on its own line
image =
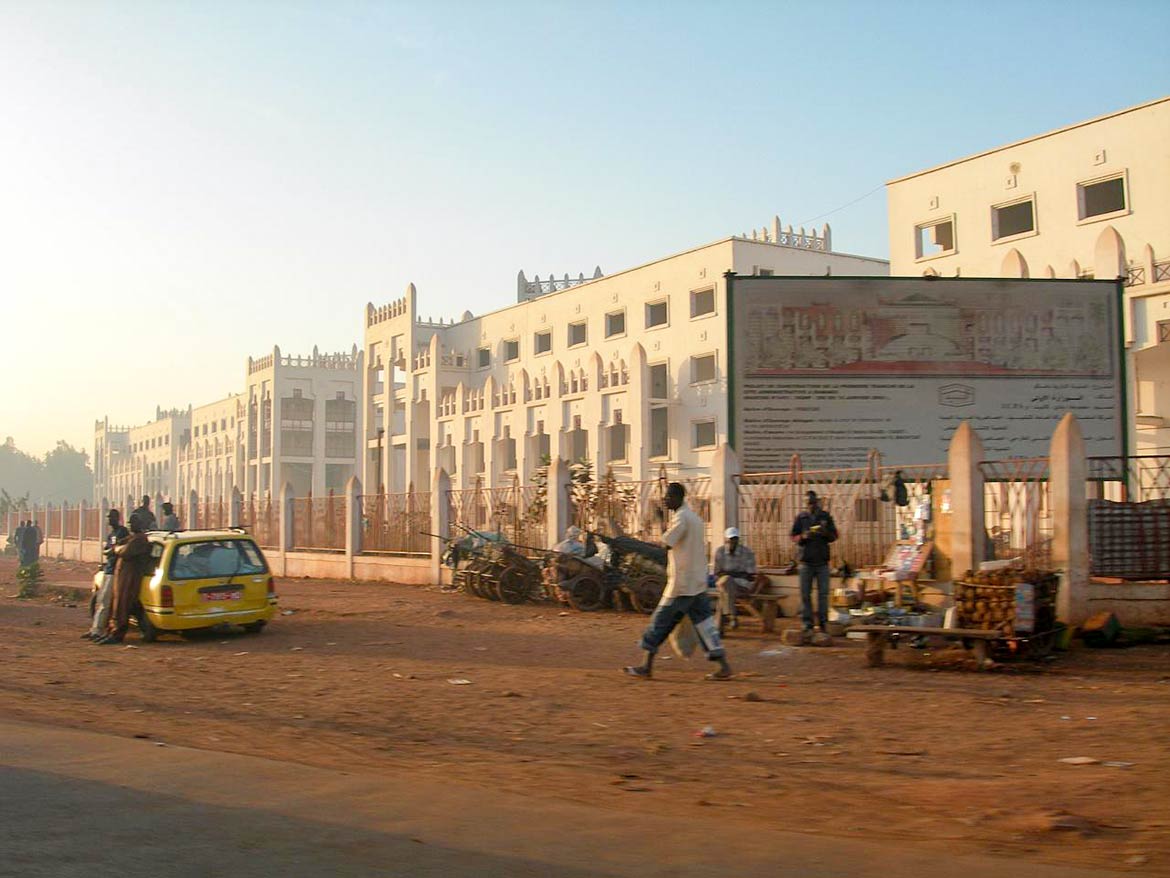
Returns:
<point x="132" y="461"/>
<point x="1089" y="200"/>
<point x="211" y="455"/>
<point x="627" y="370"/>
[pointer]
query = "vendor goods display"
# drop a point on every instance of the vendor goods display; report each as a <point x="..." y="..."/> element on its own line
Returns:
<point x="1013" y="601"/>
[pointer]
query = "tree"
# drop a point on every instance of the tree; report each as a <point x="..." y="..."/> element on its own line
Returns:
<point x="64" y="474"/>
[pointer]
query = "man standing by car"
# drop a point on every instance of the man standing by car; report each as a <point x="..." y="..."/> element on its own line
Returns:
<point x="145" y="516"/>
<point x="133" y="561"/>
<point x="686" y="589"/>
<point x="735" y="572"/>
<point x="813" y="531"/>
<point x="104" y="598"/>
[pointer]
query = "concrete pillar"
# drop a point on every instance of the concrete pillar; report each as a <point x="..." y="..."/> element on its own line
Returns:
<point x="82" y="508"/>
<point x="103" y="522"/>
<point x="285" y="517"/>
<point x="236" y="510"/>
<point x="191" y="519"/>
<point x="440" y="521"/>
<point x="1068" y="470"/>
<point x="557" y="498"/>
<point x="353" y="521"/>
<point x="724" y="492"/>
<point x="967" y="518"/>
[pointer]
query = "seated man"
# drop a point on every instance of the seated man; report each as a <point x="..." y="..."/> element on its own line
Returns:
<point x="735" y="572"/>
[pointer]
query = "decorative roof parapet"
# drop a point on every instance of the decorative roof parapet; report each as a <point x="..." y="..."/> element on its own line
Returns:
<point x="531" y="289"/>
<point x="786" y="237"/>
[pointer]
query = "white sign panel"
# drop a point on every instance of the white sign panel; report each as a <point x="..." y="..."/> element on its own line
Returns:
<point x="829" y="368"/>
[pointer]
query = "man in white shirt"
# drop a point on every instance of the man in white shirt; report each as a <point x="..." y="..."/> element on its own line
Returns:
<point x="686" y="589"/>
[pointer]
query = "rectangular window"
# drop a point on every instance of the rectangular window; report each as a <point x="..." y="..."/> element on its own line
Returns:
<point x="934" y="239"/>
<point x="483" y="357"/>
<point x="615" y="324"/>
<point x="702" y="302"/>
<point x="657" y="314"/>
<point x="542" y="342"/>
<point x="619" y="442"/>
<point x="577" y="334"/>
<point x="511" y="350"/>
<point x="1101" y="197"/>
<point x="659" y="381"/>
<point x="1017" y="218"/>
<point x="704" y="434"/>
<point x="702" y="369"/>
<point x="659" y="431"/>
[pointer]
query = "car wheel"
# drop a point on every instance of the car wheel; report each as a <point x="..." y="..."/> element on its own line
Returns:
<point x="255" y="627"/>
<point x="145" y="627"/>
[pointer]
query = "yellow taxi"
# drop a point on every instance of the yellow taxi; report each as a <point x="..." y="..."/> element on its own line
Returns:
<point x="205" y="578"/>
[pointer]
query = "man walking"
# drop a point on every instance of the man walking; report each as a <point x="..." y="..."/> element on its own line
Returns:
<point x="105" y="595"/>
<point x="144" y="515"/>
<point x="686" y="589"/>
<point x="735" y="572"/>
<point x="133" y="560"/>
<point x="813" y="531"/>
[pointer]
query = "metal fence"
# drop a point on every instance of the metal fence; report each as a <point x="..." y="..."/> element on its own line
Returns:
<point x="396" y="522"/>
<point x="1134" y="479"/>
<point x="211" y="514"/>
<point x="1129" y="517"/>
<point x="72" y="523"/>
<point x="261" y="519"/>
<point x="95" y="528"/>
<point x="1017" y="510"/>
<point x="319" y="523"/>
<point x="517" y="511"/>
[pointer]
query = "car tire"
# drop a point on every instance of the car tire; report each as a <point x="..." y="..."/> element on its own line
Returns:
<point x="145" y="627"/>
<point x="254" y="627"/>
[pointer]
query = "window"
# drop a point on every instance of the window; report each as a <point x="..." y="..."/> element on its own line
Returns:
<point x="704" y="434"/>
<point x="577" y="334"/>
<point x="702" y="302"/>
<point x="934" y="239"/>
<point x="511" y="350"/>
<point x="483" y="357"/>
<point x="615" y="324"/>
<point x="659" y="431"/>
<point x="542" y="342"/>
<point x="657" y="314"/>
<point x="1101" y="197"/>
<point x="702" y="369"/>
<point x="1009" y="220"/>
<point x="619" y="443"/>
<point x="659" y="381"/>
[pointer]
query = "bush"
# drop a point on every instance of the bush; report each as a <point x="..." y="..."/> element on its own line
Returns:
<point x="29" y="577"/>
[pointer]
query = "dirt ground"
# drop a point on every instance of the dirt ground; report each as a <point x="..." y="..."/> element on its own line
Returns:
<point x="360" y="677"/>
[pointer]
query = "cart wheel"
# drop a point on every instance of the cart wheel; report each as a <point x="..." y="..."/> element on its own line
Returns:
<point x="584" y="593"/>
<point x="645" y="592"/>
<point x="512" y="587"/>
<point x="1040" y="645"/>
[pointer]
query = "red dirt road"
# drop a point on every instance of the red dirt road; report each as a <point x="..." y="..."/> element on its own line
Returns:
<point x="922" y="752"/>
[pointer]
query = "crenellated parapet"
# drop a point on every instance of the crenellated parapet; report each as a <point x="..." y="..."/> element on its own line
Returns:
<point x="531" y="289"/>
<point x="799" y="239"/>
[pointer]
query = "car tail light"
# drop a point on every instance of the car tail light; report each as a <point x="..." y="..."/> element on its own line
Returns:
<point x="168" y="596"/>
<point x="271" y="586"/>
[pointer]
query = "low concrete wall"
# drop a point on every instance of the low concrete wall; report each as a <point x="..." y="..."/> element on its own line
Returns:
<point x="1135" y="603"/>
<point x="72" y="550"/>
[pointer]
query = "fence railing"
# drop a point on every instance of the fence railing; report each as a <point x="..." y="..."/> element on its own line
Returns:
<point x="517" y="511"/>
<point x="95" y="528"/>
<point x="262" y="521"/>
<point x="395" y="522"/>
<point x="1017" y="510"/>
<point x="211" y="513"/>
<point x="319" y="523"/>
<point x="1129" y="517"/>
<point x="72" y="523"/>
<point x="1133" y="479"/>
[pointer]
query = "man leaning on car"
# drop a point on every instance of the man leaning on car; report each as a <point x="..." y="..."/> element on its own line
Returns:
<point x="105" y="591"/>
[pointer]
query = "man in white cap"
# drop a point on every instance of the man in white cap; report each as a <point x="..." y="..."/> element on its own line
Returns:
<point x="735" y="572"/>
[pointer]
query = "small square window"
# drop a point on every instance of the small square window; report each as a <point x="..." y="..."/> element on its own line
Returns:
<point x="659" y="381"/>
<point x="657" y="314"/>
<point x="511" y="350"/>
<point x="542" y="342"/>
<point x="934" y="239"/>
<point x="577" y="334"/>
<point x="483" y="357"/>
<point x="1101" y="197"/>
<point x="1009" y="220"/>
<point x="702" y="369"/>
<point x="704" y="434"/>
<point x="615" y="324"/>
<point x="702" y="302"/>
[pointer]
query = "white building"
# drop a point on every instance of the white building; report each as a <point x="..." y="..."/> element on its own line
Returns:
<point x="132" y="461"/>
<point x="626" y="370"/>
<point x="211" y="455"/>
<point x="1089" y="200"/>
<point x="301" y="422"/>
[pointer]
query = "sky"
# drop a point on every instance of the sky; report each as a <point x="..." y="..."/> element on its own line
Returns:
<point x="183" y="185"/>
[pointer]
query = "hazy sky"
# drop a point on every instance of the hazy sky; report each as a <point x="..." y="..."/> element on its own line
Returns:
<point x="185" y="184"/>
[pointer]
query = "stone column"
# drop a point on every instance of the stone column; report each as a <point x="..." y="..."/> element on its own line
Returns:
<point x="557" y="500"/>
<point x="440" y="521"/>
<point x="967" y="517"/>
<point x="82" y="508"/>
<point x="236" y="510"/>
<point x="353" y="521"/>
<point x="724" y="492"/>
<point x="191" y="519"/>
<point x="1068" y="470"/>
<point x="285" y="513"/>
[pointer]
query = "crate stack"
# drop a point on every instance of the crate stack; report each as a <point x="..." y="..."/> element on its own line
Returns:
<point x="1013" y="601"/>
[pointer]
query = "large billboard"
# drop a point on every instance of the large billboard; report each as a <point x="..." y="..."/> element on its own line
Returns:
<point x="830" y="368"/>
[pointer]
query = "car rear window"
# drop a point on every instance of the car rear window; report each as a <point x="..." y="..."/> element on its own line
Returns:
<point x="216" y="558"/>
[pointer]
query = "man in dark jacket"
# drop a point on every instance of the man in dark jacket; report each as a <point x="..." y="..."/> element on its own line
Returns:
<point x="133" y="562"/>
<point x="144" y="515"/>
<point x="813" y="531"/>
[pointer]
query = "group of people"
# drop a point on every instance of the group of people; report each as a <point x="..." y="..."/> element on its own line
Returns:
<point x="27" y="539"/>
<point x="734" y="568"/>
<point x="126" y="558"/>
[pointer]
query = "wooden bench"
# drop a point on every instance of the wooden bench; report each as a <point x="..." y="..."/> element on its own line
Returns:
<point x="762" y="604"/>
<point x="877" y="636"/>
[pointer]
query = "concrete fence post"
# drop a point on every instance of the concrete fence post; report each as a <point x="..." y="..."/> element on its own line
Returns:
<point x="236" y="510"/>
<point x="440" y="521"/>
<point x="103" y="521"/>
<point x="724" y="492"/>
<point x="82" y="508"/>
<point x="353" y="521"/>
<point x="557" y="500"/>
<point x="964" y="456"/>
<point x="285" y="517"/>
<point x="192" y="516"/>
<point x="1068" y="469"/>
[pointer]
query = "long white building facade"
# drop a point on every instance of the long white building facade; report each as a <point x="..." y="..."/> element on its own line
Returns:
<point x="1091" y="200"/>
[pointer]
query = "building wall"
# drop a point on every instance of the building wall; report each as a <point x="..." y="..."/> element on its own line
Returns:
<point x="141" y="460"/>
<point x="211" y="455"/>
<point x="1053" y="171"/>
<point x="601" y="398"/>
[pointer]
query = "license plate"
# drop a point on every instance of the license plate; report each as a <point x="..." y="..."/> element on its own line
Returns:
<point x="223" y="596"/>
